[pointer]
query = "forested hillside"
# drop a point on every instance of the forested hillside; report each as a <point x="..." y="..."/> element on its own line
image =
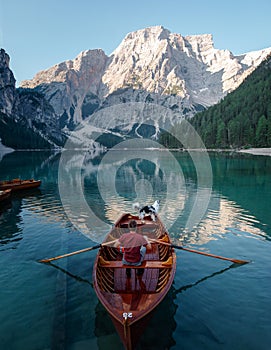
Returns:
<point x="243" y="117"/>
<point x="19" y="135"/>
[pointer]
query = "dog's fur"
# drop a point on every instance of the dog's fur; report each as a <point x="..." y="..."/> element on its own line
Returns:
<point x="151" y="210"/>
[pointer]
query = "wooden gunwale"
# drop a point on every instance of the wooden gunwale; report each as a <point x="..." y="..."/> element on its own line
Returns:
<point x="18" y="184"/>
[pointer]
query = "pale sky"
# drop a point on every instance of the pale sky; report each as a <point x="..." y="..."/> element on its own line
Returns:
<point x="39" y="34"/>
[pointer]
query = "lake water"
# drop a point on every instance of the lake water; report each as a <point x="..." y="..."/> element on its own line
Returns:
<point x="219" y="205"/>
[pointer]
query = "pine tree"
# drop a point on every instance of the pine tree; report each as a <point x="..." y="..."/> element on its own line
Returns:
<point x="262" y="132"/>
<point x="221" y="138"/>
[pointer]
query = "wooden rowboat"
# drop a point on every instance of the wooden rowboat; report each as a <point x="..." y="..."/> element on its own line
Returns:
<point x="130" y="301"/>
<point x="4" y="195"/>
<point x="18" y="184"/>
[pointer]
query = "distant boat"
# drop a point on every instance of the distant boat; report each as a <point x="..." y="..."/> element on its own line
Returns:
<point x="131" y="300"/>
<point x="4" y="195"/>
<point x="18" y="184"/>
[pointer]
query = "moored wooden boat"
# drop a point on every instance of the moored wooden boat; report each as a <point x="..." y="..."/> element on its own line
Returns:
<point x="4" y="195"/>
<point x="18" y="184"/>
<point x="130" y="301"/>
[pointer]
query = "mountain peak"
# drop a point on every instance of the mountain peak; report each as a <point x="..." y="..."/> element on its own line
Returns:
<point x="149" y="33"/>
<point x="143" y="39"/>
<point x="200" y="40"/>
<point x="160" y="33"/>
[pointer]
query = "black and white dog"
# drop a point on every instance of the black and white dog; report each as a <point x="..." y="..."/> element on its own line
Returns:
<point x="151" y="210"/>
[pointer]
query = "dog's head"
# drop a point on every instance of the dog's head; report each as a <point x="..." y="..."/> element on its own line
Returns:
<point x="156" y="205"/>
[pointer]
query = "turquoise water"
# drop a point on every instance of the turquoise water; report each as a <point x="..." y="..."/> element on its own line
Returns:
<point x="212" y="303"/>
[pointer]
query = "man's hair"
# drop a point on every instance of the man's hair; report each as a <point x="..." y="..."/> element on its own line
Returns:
<point x="132" y="224"/>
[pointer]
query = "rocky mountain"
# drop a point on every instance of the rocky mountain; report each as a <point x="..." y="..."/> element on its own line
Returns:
<point x="27" y="120"/>
<point x="152" y="66"/>
<point x="72" y="87"/>
<point x="7" y="84"/>
<point x="155" y="60"/>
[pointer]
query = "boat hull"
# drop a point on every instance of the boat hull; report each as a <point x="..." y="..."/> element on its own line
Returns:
<point x="131" y="333"/>
<point x="17" y="184"/>
<point x="5" y="195"/>
<point x="130" y="301"/>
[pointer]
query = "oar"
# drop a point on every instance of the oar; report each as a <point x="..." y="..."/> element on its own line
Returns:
<point x="236" y="261"/>
<point x="77" y="252"/>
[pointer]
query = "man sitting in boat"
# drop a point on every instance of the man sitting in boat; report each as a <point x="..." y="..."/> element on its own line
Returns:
<point x="133" y="246"/>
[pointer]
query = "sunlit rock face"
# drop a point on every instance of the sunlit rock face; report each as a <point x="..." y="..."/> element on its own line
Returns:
<point x="152" y="66"/>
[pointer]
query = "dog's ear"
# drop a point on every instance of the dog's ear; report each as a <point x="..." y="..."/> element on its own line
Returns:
<point x="136" y="206"/>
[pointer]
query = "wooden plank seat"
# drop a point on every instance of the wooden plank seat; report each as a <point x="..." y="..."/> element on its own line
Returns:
<point x="152" y="264"/>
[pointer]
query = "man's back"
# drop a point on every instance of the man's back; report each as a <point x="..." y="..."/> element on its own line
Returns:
<point x="132" y="243"/>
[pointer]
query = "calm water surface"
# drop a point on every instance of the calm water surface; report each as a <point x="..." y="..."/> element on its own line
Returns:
<point x="212" y="303"/>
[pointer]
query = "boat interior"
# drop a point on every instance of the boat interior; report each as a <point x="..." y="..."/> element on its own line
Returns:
<point x="148" y="278"/>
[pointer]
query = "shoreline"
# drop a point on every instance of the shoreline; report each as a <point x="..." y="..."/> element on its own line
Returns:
<point x="256" y="151"/>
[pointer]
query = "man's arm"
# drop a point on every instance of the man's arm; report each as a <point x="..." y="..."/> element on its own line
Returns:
<point x="117" y="244"/>
<point x="148" y="243"/>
